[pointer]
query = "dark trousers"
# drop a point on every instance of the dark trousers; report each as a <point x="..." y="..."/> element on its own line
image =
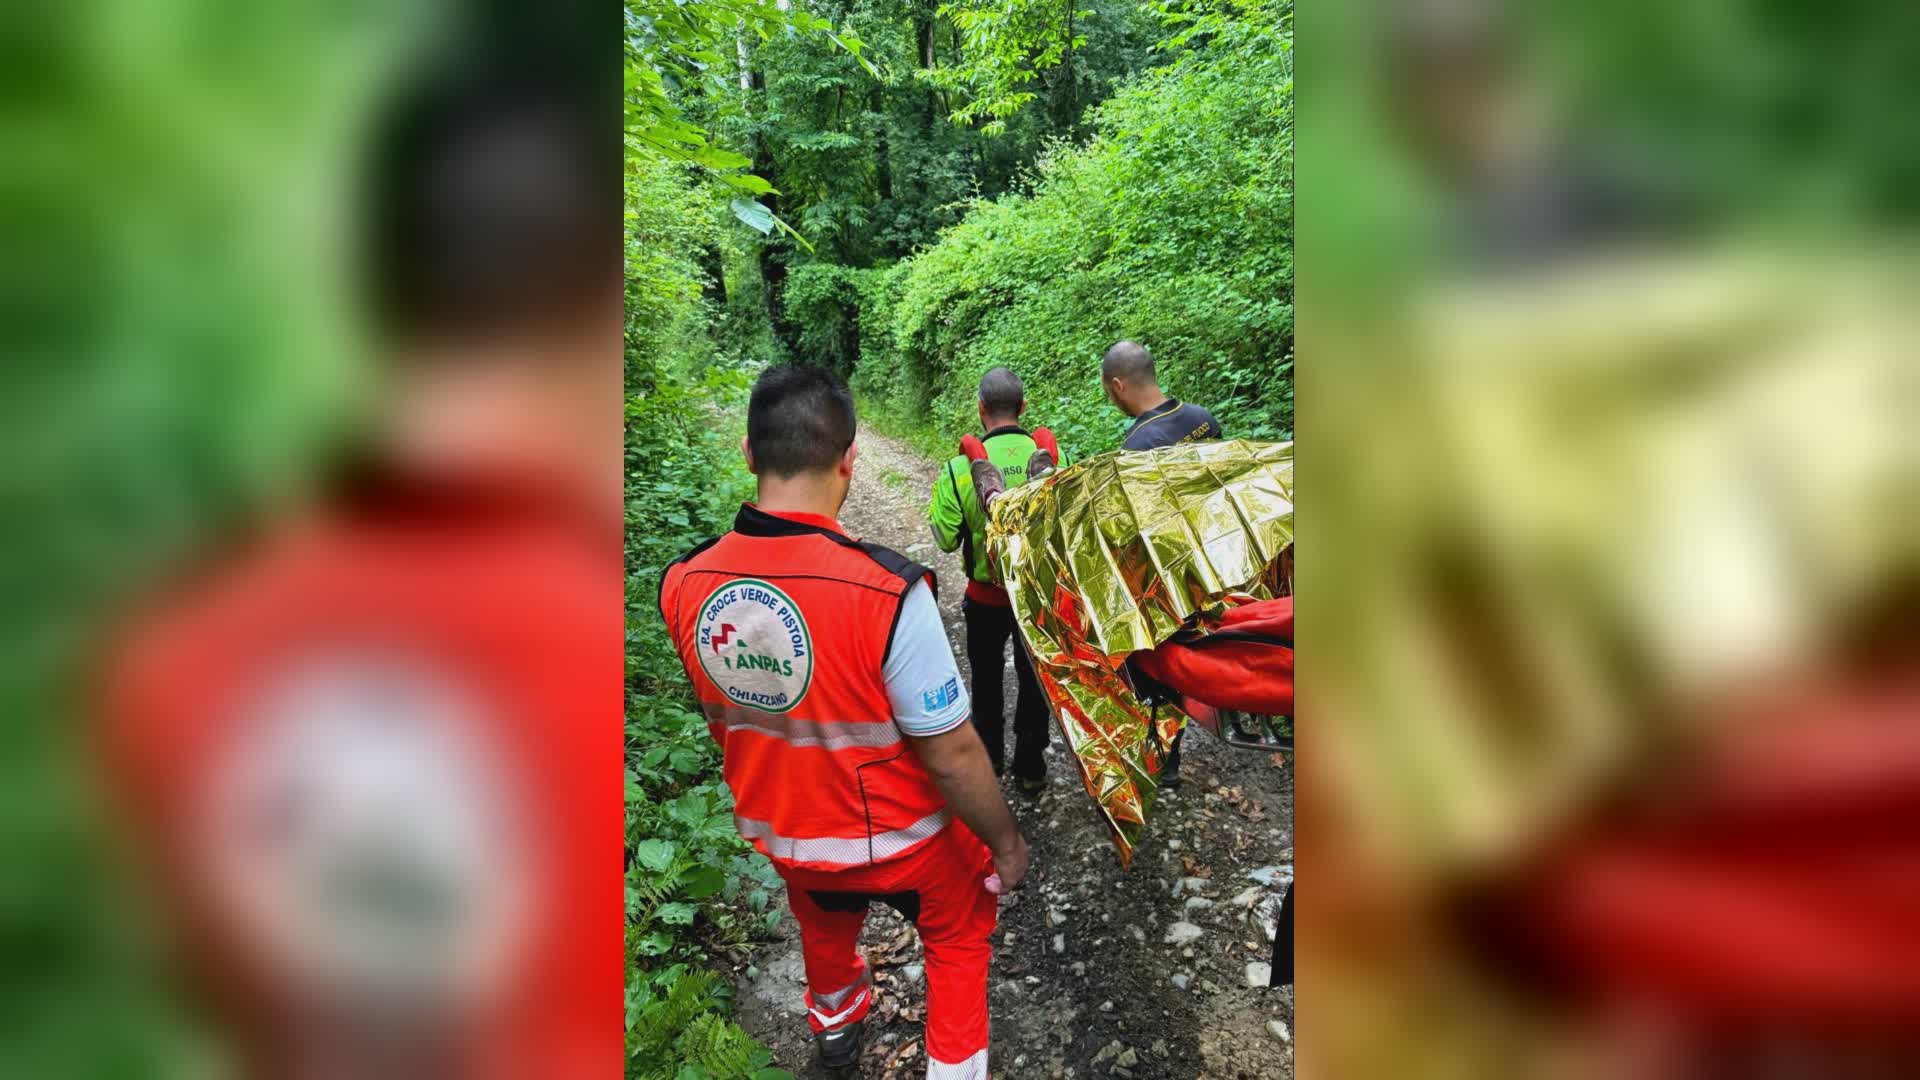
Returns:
<point x="989" y="629"/>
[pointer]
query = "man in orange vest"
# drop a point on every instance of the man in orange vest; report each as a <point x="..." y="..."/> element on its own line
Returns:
<point x="825" y="674"/>
<point x="371" y="753"/>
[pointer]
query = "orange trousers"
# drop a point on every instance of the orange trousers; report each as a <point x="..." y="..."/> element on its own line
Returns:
<point x="941" y="888"/>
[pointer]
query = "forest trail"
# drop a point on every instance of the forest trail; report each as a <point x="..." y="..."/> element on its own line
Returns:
<point x="1085" y="982"/>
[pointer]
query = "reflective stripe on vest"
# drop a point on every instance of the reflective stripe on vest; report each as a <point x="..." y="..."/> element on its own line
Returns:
<point x="825" y="734"/>
<point x="839" y="850"/>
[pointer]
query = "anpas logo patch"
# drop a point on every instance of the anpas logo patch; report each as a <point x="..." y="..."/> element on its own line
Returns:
<point x="755" y="646"/>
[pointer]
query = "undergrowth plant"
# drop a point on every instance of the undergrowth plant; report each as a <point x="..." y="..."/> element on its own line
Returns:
<point x="696" y="894"/>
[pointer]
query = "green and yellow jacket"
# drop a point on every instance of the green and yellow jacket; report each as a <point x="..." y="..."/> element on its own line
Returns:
<point x="955" y="513"/>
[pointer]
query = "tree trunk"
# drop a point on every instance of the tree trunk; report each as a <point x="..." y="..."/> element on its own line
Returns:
<point x="882" y="160"/>
<point x="850" y="339"/>
<point x="715" y="287"/>
<point x="772" y="256"/>
<point x="1068" y="102"/>
<point x="923" y="33"/>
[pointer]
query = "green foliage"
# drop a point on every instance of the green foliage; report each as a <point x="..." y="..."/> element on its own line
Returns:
<point x="867" y="166"/>
<point x="676" y="1036"/>
<point x="1173" y="227"/>
<point x="676" y="46"/>
<point x="1007" y="46"/>
<point x="694" y="891"/>
<point x="841" y="311"/>
<point x="180" y="352"/>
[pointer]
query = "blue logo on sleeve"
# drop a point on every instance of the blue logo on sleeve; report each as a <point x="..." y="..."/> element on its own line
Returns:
<point x="936" y="700"/>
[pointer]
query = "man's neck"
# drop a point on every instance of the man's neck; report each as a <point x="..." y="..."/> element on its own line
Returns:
<point x="1149" y="400"/>
<point x="799" y="495"/>
<point x="996" y="423"/>
<point x="503" y="420"/>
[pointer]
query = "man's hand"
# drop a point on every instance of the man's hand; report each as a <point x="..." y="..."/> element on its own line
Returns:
<point x="1009" y="868"/>
<point x="957" y="762"/>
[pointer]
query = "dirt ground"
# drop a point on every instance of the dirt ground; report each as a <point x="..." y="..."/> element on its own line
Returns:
<point x="1097" y="972"/>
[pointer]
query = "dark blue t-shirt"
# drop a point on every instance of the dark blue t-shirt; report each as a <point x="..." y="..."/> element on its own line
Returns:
<point x="1168" y="423"/>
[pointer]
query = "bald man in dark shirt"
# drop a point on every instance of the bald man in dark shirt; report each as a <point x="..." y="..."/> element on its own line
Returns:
<point x="1127" y="375"/>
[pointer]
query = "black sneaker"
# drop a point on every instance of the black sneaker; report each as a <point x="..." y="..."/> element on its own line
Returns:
<point x="840" y="1049"/>
<point x="1031" y="786"/>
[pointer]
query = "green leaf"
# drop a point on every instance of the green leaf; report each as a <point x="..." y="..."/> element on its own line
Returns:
<point x="703" y="881"/>
<point x="749" y="183"/>
<point x="688" y="809"/>
<point x="753" y="215"/>
<point x="655" y="855"/>
<point x="675" y="914"/>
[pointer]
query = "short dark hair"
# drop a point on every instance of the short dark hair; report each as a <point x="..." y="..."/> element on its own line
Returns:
<point x="1001" y="392"/>
<point x="799" y="419"/>
<point x="1129" y="361"/>
<point x="490" y="201"/>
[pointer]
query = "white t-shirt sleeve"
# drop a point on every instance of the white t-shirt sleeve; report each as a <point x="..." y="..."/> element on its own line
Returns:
<point x="922" y="680"/>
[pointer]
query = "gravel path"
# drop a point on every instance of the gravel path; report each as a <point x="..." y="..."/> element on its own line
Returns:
<point x="1097" y="971"/>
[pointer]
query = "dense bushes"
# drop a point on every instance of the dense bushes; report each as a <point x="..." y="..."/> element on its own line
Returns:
<point x="694" y="890"/>
<point x="1173" y="226"/>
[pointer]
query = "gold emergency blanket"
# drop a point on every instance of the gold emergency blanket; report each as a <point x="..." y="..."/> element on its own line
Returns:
<point x="1114" y="554"/>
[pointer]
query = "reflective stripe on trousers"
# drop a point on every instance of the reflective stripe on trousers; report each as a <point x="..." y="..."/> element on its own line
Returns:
<point x="833" y="1008"/>
<point x="974" y="1068"/>
<point x="829" y="1021"/>
<point x="842" y="851"/>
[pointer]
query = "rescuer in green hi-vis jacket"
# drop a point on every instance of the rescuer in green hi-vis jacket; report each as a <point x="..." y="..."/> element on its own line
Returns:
<point x="959" y="522"/>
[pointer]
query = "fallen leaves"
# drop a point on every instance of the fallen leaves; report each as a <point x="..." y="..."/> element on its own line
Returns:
<point x="1246" y="807"/>
<point x="903" y="1056"/>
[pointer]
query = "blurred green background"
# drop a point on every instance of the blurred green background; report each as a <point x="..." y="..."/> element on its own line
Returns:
<point x="174" y="290"/>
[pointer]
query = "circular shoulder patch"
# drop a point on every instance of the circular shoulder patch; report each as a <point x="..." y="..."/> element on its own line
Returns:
<point x="754" y="645"/>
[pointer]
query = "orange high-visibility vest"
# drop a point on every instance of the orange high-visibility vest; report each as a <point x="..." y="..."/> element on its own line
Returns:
<point x="783" y="625"/>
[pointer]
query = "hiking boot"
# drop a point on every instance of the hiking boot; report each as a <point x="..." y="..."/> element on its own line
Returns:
<point x="1031" y="786"/>
<point x="987" y="481"/>
<point x="840" y="1049"/>
<point x="1040" y="464"/>
<point x="1170" y="776"/>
